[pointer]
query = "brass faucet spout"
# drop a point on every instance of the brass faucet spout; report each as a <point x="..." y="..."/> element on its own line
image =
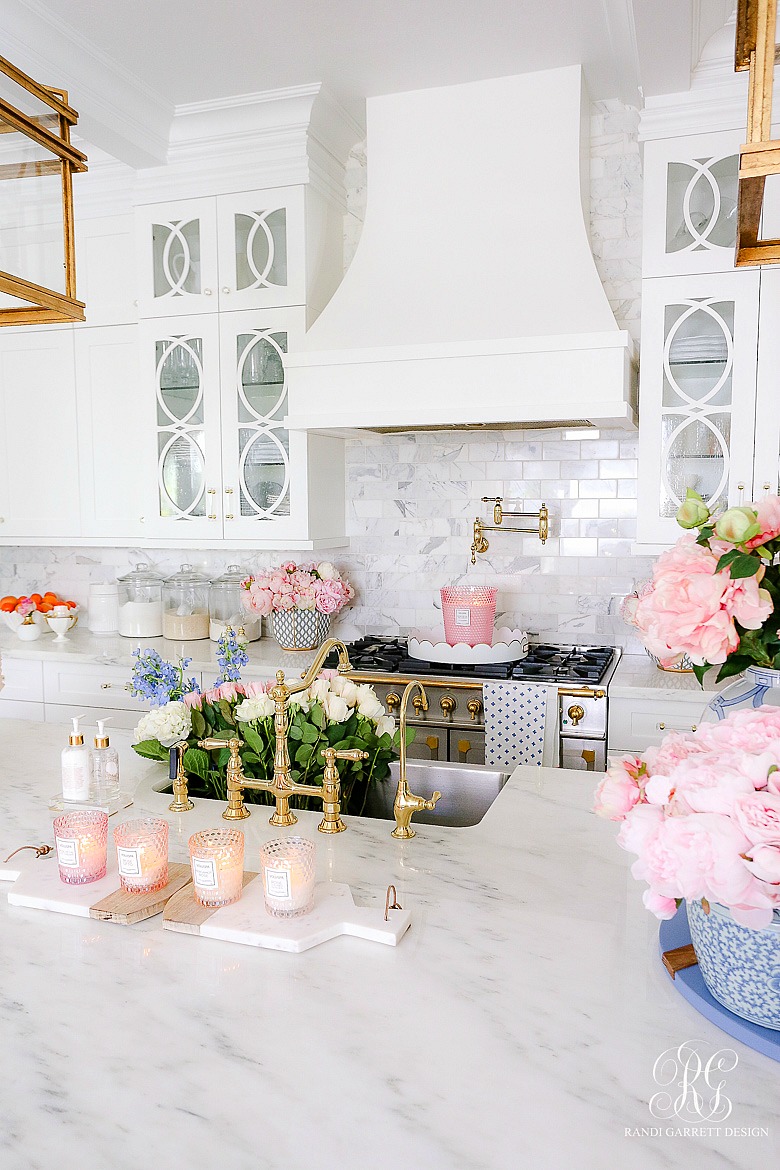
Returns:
<point x="406" y="803"/>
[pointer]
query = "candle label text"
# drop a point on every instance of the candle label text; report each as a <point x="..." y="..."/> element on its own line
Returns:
<point x="277" y="883"/>
<point x="129" y="861"/>
<point x="204" y="872"/>
<point x="68" y="852"/>
<point x="462" y="617"/>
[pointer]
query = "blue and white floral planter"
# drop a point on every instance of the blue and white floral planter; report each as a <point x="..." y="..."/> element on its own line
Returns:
<point x="300" y="629"/>
<point x="752" y="690"/>
<point x="740" y="966"/>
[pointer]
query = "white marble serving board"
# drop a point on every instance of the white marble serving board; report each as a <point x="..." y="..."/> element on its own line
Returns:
<point x="335" y="913"/>
<point x="41" y="888"/>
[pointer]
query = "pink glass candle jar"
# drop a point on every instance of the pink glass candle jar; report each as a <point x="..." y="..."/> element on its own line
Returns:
<point x="469" y="614"/>
<point x="81" y="840"/>
<point x="217" y="860"/>
<point x="142" y="854"/>
<point x="287" y="866"/>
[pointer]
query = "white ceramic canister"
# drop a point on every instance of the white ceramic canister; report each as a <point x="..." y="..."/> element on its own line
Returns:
<point x="103" y="609"/>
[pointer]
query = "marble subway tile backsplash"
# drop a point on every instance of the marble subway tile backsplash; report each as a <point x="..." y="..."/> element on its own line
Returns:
<point x="412" y="500"/>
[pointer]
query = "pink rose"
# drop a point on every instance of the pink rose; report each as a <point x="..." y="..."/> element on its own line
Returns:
<point x="256" y="688"/>
<point x="290" y="567"/>
<point x="758" y="815"/>
<point x="229" y="690"/>
<point x="193" y="699"/>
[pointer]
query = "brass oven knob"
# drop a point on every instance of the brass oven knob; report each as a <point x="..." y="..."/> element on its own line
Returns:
<point x="392" y="701"/>
<point x="474" y="706"/>
<point x="576" y="713"/>
<point x="447" y="704"/>
<point x="418" y="702"/>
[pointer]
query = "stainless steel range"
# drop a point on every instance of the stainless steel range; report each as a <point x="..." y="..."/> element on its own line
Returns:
<point x="453" y="726"/>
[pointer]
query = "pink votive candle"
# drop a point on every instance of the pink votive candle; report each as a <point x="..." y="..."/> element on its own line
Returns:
<point x="81" y="839"/>
<point x="142" y="854"/>
<point x="217" y="860"/>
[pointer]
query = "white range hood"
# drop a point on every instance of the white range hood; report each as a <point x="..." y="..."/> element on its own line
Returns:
<point x="473" y="299"/>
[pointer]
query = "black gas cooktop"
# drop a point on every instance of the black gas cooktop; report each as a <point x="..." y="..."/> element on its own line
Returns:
<point x="545" y="662"/>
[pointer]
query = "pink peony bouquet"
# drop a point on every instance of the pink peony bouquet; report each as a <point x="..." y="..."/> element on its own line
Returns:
<point x="313" y="587"/>
<point x="702" y="814"/>
<point x="713" y="595"/>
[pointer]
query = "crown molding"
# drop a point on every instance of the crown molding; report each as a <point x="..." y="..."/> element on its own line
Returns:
<point x="116" y="112"/>
<point x="717" y="100"/>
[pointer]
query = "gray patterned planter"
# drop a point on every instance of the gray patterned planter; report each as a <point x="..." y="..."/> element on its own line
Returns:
<point x="300" y="629"/>
<point x="740" y="966"/>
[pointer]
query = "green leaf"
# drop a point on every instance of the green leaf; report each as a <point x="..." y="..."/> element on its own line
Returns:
<point x="252" y="738"/>
<point x="704" y="535"/>
<point x="744" y="566"/>
<point x="690" y="494"/>
<point x="227" y="712"/>
<point x="310" y="733"/>
<point x="727" y="559"/>
<point x="317" y="715"/>
<point x="295" y="732"/>
<point x="196" y="761"/>
<point x="304" y="753"/>
<point x="198" y="723"/>
<point x="151" y="749"/>
<point x="700" y="672"/>
<point x="734" y="664"/>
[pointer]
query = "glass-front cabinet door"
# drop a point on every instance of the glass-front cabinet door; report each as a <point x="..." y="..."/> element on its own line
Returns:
<point x="697" y="393"/>
<point x="181" y="363"/>
<point x="261" y="460"/>
<point x="690" y="204"/>
<point x="176" y="247"/>
<point x="261" y="249"/>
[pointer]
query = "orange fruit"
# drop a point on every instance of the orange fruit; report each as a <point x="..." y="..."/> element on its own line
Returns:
<point x="8" y="604"/>
<point x="45" y="607"/>
<point x="36" y="597"/>
<point x="72" y="604"/>
<point x="49" y="596"/>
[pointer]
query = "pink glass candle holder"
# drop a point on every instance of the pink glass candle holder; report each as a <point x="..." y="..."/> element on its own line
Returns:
<point x="469" y="613"/>
<point x="217" y="860"/>
<point x="287" y="866"/>
<point x="142" y="854"/>
<point x="81" y="840"/>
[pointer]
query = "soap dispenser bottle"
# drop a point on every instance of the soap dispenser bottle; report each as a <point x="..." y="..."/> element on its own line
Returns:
<point x="76" y="766"/>
<point x="105" y="767"/>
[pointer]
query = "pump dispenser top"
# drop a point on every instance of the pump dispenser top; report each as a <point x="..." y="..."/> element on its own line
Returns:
<point x="101" y="739"/>
<point x="76" y="739"/>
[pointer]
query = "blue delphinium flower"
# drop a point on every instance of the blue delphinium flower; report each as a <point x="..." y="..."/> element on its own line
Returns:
<point x="231" y="656"/>
<point x="158" y="681"/>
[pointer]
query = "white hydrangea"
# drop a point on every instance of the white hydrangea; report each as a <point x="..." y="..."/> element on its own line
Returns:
<point x="254" y="707"/>
<point x="169" y="724"/>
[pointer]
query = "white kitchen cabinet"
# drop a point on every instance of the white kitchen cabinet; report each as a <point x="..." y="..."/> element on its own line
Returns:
<point x="637" y="723"/>
<point x="112" y="431"/>
<point x="39" y="474"/>
<point x="21" y="695"/>
<point x="105" y="270"/>
<point x="697" y="395"/>
<point x="116" y="719"/>
<point x="89" y="684"/>
<point x="767" y="446"/>
<point x="220" y="463"/>
<point x="690" y="204"/>
<point x="222" y="252"/>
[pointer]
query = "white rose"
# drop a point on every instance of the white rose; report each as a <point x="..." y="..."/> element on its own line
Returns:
<point x="336" y="709"/>
<point x="328" y="572"/>
<point x="385" y="725"/>
<point x="368" y="704"/>
<point x="349" y="692"/>
<point x="169" y="723"/>
<point x="301" y="700"/>
<point x="320" y="689"/>
<point x="255" y="707"/>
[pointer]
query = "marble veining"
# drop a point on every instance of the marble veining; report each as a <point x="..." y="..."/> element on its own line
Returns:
<point x="517" y="1023"/>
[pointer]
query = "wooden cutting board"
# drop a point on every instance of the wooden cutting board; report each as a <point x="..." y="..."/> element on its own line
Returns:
<point x="40" y="887"/>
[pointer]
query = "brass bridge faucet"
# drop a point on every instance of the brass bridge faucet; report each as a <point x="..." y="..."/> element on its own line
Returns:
<point x="282" y="785"/>
<point x="406" y="804"/>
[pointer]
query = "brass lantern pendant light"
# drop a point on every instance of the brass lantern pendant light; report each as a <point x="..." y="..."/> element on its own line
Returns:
<point x="37" y="161"/>
<point x="760" y="156"/>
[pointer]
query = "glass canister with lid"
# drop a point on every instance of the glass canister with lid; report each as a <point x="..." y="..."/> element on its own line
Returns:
<point x="140" y="603"/>
<point x="186" y="605"/>
<point x="226" y="609"/>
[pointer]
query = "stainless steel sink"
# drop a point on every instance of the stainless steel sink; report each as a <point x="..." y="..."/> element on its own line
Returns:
<point x="467" y="792"/>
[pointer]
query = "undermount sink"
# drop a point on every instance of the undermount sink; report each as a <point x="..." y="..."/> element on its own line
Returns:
<point x="467" y="792"/>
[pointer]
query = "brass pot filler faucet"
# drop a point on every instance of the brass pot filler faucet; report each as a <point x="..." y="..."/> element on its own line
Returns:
<point x="282" y="785"/>
<point x="541" y="525"/>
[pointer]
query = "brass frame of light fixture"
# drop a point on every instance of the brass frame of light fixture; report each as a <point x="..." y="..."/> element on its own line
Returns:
<point x="756" y="51"/>
<point x="46" y="305"/>
<point x="481" y="545"/>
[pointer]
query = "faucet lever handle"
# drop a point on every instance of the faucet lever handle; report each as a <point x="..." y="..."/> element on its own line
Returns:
<point x="212" y="745"/>
<point x="353" y="754"/>
<point x="431" y="804"/>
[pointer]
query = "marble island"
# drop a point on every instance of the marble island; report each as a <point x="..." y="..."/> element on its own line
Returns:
<point x="517" y="1023"/>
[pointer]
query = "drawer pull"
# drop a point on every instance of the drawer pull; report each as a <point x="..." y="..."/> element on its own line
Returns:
<point x="128" y="686"/>
<point x="105" y="686"/>
<point x="693" y="726"/>
<point x="662" y="727"/>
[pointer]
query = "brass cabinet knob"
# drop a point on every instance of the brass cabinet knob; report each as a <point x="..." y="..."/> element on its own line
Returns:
<point x="447" y="704"/>
<point x="418" y="702"/>
<point x="392" y="701"/>
<point x="661" y="726"/>
<point x="474" y="706"/>
<point x="576" y="713"/>
<point x="693" y="726"/>
<point x="105" y="686"/>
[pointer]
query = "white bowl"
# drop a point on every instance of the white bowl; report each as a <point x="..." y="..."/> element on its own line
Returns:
<point x="430" y="646"/>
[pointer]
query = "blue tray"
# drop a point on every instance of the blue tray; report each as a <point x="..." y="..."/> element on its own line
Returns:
<point x="675" y="932"/>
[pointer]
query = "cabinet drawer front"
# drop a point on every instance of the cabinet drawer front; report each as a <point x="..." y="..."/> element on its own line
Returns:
<point x="88" y="684"/>
<point x="22" y="679"/>
<point x="15" y="709"/>
<point x="636" y="724"/>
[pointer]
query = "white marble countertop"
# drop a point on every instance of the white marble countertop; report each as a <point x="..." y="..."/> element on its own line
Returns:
<point x="517" y="1024"/>
<point x="637" y="677"/>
